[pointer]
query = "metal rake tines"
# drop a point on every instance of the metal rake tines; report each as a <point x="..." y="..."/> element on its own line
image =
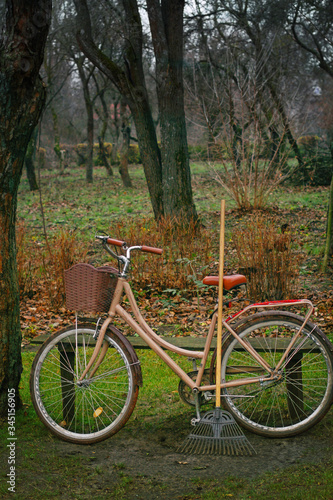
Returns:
<point x="217" y="433"/>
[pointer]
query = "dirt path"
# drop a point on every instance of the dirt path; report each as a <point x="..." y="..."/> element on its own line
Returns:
<point x="148" y="459"/>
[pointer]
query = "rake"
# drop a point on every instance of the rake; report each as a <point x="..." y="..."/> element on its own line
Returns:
<point x="217" y="433"/>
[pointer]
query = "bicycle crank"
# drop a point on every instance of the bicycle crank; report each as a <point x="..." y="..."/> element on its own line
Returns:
<point x="185" y="392"/>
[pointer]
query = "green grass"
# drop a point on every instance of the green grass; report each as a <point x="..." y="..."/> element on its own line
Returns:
<point x="69" y="202"/>
<point x="304" y="482"/>
<point x="300" y="198"/>
<point x="63" y="475"/>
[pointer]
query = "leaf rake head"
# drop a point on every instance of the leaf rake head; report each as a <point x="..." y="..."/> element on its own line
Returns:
<point x="217" y="433"/>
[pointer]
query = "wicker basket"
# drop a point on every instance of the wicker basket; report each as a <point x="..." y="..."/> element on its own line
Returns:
<point x="90" y="289"/>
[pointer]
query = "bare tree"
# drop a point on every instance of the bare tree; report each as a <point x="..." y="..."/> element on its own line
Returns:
<point x="262" y="26"/>
<point x="86" y="72"/>
<point x="245" y="139"/>
<point x="167" y="174"/>
<point x="57" y="69"/>
<point x="313" y="31"/>
<point x="166" y="25"/>
<point x="22" y="96"/>
<point x="126" y="73"/>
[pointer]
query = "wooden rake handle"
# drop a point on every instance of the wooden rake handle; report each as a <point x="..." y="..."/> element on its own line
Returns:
<point x="220" y="309"/>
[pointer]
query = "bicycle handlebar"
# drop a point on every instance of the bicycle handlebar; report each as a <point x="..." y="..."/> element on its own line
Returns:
<point x="143" y="248"/>
<point x="117" y="243"/>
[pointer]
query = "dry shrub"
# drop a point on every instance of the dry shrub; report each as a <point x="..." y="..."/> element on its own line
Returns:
<point x="64" y="250"/>
<point x="41" y="266"/>
<point x="26" y="263"/>
<point x="187" y="251"/>
<point x="268" y="258"/>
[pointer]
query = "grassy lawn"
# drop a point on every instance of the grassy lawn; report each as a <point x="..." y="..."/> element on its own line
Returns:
<point x="49" y="468"/>
<point x="69" y="201"/>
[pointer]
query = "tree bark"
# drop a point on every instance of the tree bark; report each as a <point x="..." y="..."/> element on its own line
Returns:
<point x="90" y="118"/>
<point x="329" y="237"/>
<point x="56" y="147"/>
<point x="29" y="162"/>
<point x="22" y="96"/>
<point x="124" y="150"/>
<point x="166" y="24"/>
<point x="101" y="137"/>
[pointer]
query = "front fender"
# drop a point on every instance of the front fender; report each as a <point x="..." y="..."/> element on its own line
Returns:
<point x="134" y="358"/>
<point x="122" y="340"/>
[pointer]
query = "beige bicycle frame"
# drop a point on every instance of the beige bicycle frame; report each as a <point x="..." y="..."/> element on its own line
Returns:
<point x="159" y="345"/>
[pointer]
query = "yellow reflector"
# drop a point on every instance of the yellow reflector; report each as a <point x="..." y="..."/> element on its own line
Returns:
<point x="63" y="423"/>
<point x="97" y="412"/>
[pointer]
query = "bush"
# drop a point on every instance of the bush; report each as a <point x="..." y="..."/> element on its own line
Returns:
<point x="198" y="152"/>
<point x="42" y="267"/>
<point x="187" y="251"/>
<point x="26" y="263"/>
<point x="309" y="144"/>
<point x="98" y="161"/>
<point x="134" y="154"/>
<point x="318" y="162"/>
<point x="81" y="151"/>
<point x="268" y="259"/>
<point x="206" y="152"/>
<point x="320" y="170"/>
<point x="66" y="250"/>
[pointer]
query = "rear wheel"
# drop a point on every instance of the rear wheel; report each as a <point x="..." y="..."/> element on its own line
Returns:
<point x="302" y="391"/>
<point x="84" y="411"/>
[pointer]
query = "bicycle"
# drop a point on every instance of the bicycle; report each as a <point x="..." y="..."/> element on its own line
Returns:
<point x="276" y="368"/>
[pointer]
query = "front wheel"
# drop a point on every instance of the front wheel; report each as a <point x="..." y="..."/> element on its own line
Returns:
<point x="302" y="391"/>
<point x="90" y="410"/>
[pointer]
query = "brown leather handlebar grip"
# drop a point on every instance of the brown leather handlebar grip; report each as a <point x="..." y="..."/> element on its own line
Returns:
<point x="117" y="243"/>
<point x="144" y="248"/>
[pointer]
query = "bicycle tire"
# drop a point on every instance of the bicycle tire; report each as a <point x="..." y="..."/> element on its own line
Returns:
<point x="92" y="410"/>
<point x="303" y="394"/>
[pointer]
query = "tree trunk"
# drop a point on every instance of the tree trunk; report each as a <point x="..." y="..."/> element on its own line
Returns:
<point x="124" y="150"/>
<point x="22" y="96"/>
<point x="116" y="134"/>
<point x="150" y="154"/>
<point x="90" y="117"/>
<point x="103" y="156"/>
<point x="123" y="167"/>
<point x="130" y="82"/>
<point x="101" y="138"/>
<point x="56" y="147"/>
<point x="30" y="164"/>
<point x="329" y="237"/>
<point x="166" y="23"/>
<point x="90" y="141"/>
